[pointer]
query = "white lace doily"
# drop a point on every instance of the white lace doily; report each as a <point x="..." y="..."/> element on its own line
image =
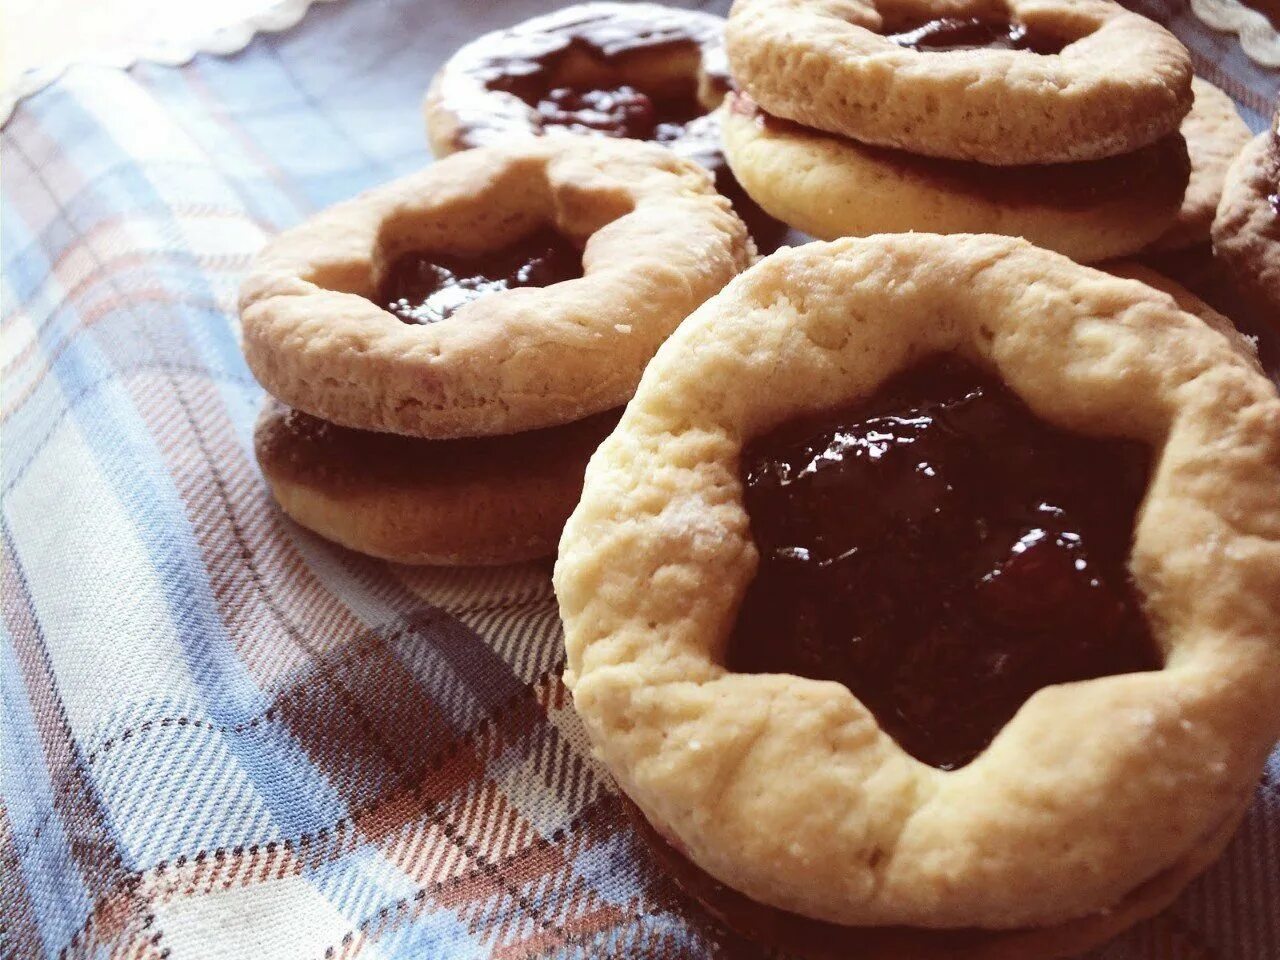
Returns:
<point x="173" y="52"/>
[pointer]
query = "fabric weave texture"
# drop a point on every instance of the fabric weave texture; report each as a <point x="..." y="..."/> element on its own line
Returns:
<point x="222" y="737"/>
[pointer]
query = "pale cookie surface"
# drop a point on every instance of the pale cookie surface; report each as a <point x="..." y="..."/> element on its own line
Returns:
<point x="1246" y="231"/>
<point x="1190" y="302"/>
<point x="787" y="788"/>
<point x="830" y="186"/>
<point x="485" y="501"/>
<point x="1215" y="135"/>
<point x="808" y="939"/>
<point x="1120" y="83"/>
<point x="658" y="242"/>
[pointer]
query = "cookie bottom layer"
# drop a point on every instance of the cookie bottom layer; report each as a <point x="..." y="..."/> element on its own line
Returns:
<point x="1246" y="231"/>
<point x="484" y="501"/>
<point x="810" y="939"/>
<point x="831" y="187"/>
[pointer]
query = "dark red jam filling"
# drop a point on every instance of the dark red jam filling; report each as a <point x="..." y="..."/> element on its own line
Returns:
<point x="973" y="33"/>
<point x="424" y="287"/>
<point x="529" y="62"/>
<point x="526" y="63"/>
<point x="943" y="553"/>
<point x="621" y="111"/>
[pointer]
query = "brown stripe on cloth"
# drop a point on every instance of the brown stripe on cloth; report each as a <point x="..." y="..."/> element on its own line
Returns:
<point x="361" y="717"/>
<point x="75" y="290"/>
<point x="444" y="851"/>
<point x="20" y="930"/>
<point x="91" y="310"/>
<point x="89" y="315"/>
<point x="118" y="914"/>
<point x="311" y="720"/>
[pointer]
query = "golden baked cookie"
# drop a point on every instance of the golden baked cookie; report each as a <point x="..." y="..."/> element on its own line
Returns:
<point x="1246" y="230"/>
<point x="654" y="239"/>
<point x="488" y="500"/>
<point x="830" y="186"/>
<point x="638" y="70"/>
<point x="1110" y="777"/>
<point x="1190" y="302"/>
<point x="1215" y="135"/>
<point x="809" y="939"/>
<point x="1028" y="81"/>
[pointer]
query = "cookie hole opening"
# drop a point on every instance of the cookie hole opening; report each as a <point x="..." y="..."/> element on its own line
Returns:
<point x="983" y="26"/>
<point x="424" y="286"/>
<point x="944" y="553"/>
<point x="613" y="81"/>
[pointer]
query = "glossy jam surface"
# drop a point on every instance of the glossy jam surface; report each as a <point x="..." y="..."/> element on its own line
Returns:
<point x="541" y="64"/>
<point x="621" y="111"/>
<point x="527" y="61"/>
<point x="425" y="287"/>
<point x="944" y="554"/>
<point x="972" y="33"/>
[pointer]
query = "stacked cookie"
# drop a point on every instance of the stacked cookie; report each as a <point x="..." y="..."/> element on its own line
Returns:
<point x="1052" y="120"/>
<point x="446" y="351"/>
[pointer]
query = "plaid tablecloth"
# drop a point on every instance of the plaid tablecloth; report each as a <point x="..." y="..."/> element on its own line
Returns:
<point x="222" y="736"/>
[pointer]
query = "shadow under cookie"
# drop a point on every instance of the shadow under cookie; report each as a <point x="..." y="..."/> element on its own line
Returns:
<point x="482" y="501"/>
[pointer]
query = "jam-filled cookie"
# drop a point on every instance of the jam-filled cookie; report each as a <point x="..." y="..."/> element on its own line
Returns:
<point x="1246" y="230"/>
<point x="451" y="343"/>
<point x="1001" y="82"/>
<point x="638" y="70"/>
<point x="497" y="290"/>
<point x="929" y="589"/>
<point x="830" y="186"/>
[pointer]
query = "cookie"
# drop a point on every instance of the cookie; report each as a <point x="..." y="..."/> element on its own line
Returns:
<point x="1246" y="229"/>
<point x="1191" y="302"/>
<point x="830" y="186"/>
<point x="638" y="70"/>
<point x="423" y="308"/>
<point x="1030" y="81"/>
<point x="1108" y="459"/>
<point x="801" y="937"/>
<point x="491" y="500"/>
<point x="1215" y="135"/>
